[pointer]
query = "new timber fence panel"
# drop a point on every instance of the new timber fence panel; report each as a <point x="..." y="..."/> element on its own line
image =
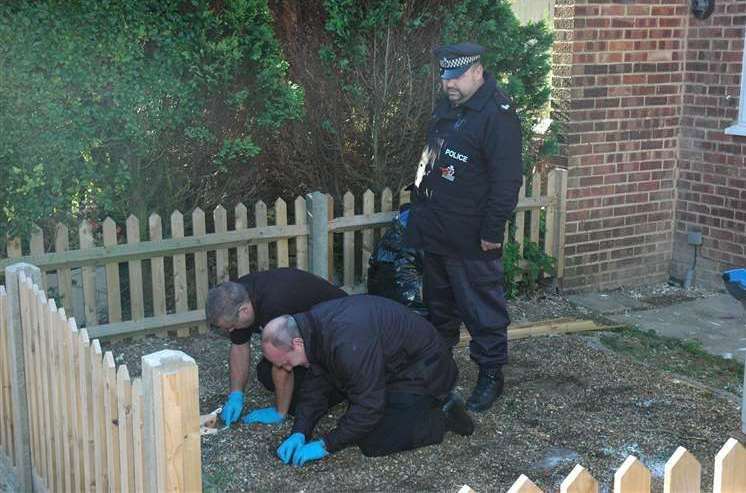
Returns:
<point x="80" y="426"/>
<point x="172" y="302"/>
<point x="113" y="297"/>
<point x="301" y="241"/>
<point x="281" y="219"/>
<point x="579" y="481"/>
<point x="6" y="422"/>
<point x="682" y="473"/>
<point x="220" y="217"/>
<point x="181" y="299"/>
<point x="242" y="251"/>
<point x="137" y="303"/>
<point x="730" y="468"/>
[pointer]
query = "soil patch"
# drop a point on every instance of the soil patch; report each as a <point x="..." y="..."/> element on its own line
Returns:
<point x="583" y="398"/>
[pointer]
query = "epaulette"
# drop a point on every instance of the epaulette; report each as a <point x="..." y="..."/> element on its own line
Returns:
<point x="503" y="101"/>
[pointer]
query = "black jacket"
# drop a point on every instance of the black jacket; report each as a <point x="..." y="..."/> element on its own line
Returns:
<point x="279" y="292"/>
<point x="365" y="346"/>
<point x="469" y="175"/>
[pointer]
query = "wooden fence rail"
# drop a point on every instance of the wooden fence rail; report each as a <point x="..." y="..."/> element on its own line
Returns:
<point x="164" y="278"/>
<point x="682" y="474"/>
<point x="87" y="419"/>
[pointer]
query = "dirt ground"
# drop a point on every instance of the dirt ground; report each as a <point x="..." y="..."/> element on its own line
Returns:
<point x="591" y="398"/>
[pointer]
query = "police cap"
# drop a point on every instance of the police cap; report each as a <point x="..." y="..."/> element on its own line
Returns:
<point x="455" y="59"/>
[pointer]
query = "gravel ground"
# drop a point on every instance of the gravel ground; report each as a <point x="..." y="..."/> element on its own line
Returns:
<point x="568" y="400"/>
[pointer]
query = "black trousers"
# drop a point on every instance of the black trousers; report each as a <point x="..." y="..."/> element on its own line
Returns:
<point x="409" y="421"/>
<point x="470" y="290"/>
<point x="264" y="375"/>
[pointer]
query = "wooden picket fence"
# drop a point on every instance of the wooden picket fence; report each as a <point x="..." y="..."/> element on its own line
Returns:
<point x="312" y="238"/>
<point x="71" y="420"/>
<point x="682" y="475"/>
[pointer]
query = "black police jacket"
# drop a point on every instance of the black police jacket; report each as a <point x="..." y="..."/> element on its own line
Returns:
<point x="279" y="292"/>
<point x="365" y="346"/>
<point x="469" y="175"/>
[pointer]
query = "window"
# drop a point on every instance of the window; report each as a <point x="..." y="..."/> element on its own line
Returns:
<point x="739" y="127"/>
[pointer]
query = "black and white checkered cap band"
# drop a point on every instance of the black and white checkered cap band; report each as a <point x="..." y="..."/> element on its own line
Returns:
<point x="458" y="62"/>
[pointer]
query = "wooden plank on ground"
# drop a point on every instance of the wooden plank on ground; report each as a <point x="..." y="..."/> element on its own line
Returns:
<point x="113" y="296"/>
<point x="546" y="327"/>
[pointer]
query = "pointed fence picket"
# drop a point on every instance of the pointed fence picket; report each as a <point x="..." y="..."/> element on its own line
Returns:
<point x="682" y="475"/>
<point x="169" y="272"/>
<point x="86" y="418"/>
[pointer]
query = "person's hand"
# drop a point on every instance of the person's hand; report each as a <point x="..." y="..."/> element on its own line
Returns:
<point x="266" y="416"/>
<point x="487" y="245"/>
<point x="289" y="446"/>
<point x="311" y="451"/>
<point x="232" y="407"/>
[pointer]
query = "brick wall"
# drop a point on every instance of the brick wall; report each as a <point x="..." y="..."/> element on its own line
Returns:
<point x="712" y="167"/>
<point x="619" y="75"/>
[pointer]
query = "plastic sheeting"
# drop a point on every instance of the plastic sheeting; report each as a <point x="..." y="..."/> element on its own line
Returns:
<point x="394" y="270"/>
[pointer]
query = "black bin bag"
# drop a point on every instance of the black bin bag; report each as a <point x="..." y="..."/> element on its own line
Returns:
<point x="394" y="270"/>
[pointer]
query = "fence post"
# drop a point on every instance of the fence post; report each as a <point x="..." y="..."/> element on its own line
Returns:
<point x="171" y="439"/>
<point x="21" y="437"/>
<point x="557" y="213"/>
<point x="319" y="234"/>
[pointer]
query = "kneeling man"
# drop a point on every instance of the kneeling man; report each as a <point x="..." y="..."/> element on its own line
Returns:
<point x="389" y="363"/>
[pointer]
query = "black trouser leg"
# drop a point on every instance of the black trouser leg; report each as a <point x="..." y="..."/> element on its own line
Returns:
<point x="480" y="294"/>
<point x="439" y="298"/>
<point x="473" y="289"/>
<point x="409" y="421"/>
<point x="264" y="375"/>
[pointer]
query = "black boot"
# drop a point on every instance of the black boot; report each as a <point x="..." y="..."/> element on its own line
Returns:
<point x="488" y="388"/>
<point x="456" y="418"/>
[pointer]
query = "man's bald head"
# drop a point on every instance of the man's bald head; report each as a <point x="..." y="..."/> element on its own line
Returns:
<point x="282" y="343"/>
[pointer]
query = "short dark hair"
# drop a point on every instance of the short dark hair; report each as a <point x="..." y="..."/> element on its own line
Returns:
<point x="224" y="302"/>
<point x="280" y="332"/>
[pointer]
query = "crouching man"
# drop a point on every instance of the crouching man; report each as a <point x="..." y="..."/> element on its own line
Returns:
<point x="389" y="363"/>
<point x="240" y="309"/>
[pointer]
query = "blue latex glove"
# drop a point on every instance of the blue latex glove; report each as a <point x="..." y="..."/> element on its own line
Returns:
<point x="266" y="416"/>
<point x="289" y="446"/>
<point x="232" y="407"/>
<point x="311" y="451"/>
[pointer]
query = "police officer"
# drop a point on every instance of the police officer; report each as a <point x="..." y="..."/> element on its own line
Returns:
<point x="241" y="309"/>
<point x="466" y="188"/>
